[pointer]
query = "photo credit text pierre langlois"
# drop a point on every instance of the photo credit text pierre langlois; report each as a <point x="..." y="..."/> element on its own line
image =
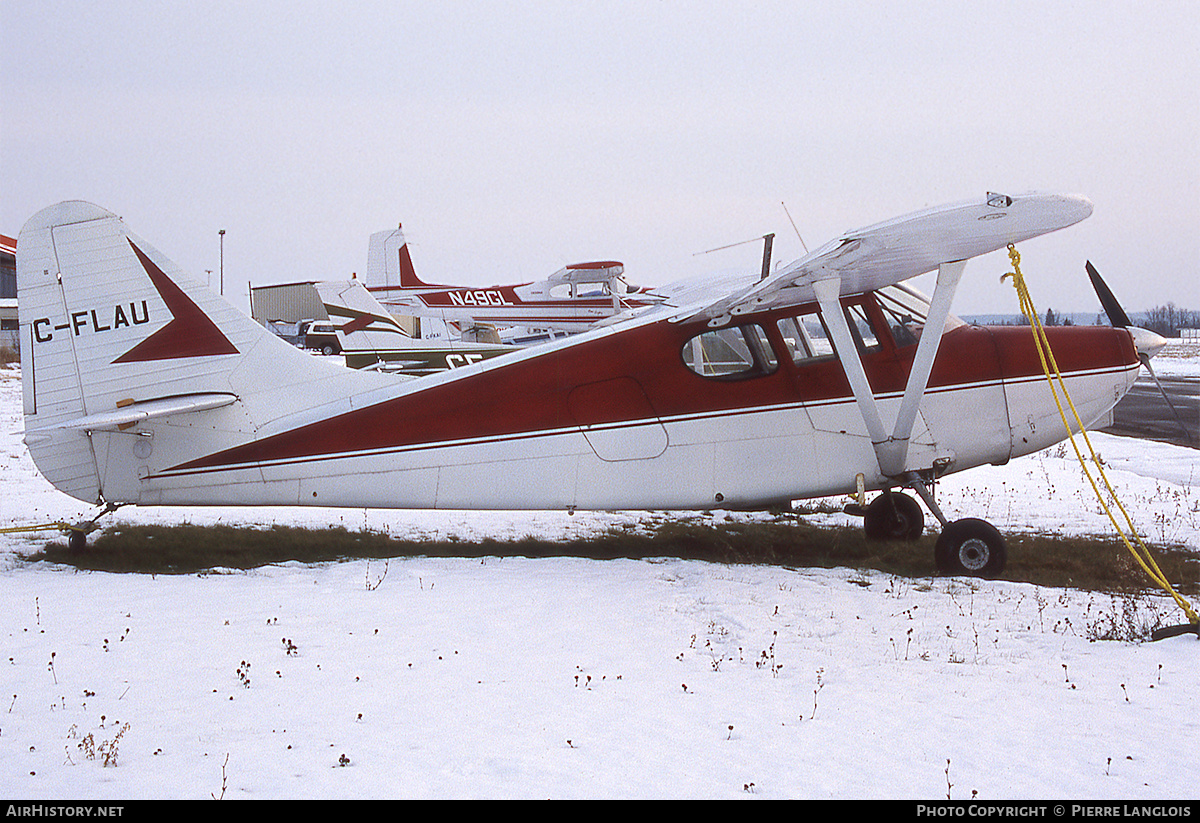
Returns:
<point x="1052" y="810"/>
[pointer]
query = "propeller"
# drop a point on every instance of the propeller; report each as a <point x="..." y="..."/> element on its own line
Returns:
<point x="1116" y="314"/>
<point x="1146" y="342"/>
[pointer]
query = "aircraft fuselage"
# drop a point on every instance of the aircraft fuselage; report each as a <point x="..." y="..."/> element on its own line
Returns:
<point x="630" y="418"/>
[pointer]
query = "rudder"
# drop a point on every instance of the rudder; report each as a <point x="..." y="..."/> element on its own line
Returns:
<point x="115" y="339"/>
<point x="389" y="264"/>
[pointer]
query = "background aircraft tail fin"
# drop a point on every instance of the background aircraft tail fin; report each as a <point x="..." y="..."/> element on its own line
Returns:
<point x="390" y="264"/>
<point x="362" y="324"/>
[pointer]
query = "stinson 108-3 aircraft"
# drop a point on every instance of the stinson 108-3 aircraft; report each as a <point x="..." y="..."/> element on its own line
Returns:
<point x="825" y="377"/>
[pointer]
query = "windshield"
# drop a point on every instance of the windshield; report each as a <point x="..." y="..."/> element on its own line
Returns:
<point x="906" y="310"/>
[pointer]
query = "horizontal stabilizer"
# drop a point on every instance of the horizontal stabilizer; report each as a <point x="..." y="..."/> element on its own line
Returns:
<point x="140" y="411"/>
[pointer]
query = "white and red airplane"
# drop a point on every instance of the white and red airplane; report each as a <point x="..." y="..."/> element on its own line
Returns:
<point x="143" y="387"/>
<point x="572" y="299"/>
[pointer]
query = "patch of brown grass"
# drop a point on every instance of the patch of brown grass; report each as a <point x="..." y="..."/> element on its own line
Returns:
<point x="1083" y="563"/>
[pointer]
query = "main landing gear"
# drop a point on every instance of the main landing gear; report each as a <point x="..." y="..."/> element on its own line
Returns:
<point x="969" y="546"/>
<point x="893" y="516"/>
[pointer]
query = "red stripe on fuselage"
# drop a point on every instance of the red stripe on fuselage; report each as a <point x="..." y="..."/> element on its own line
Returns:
<point x="530" y="396"/>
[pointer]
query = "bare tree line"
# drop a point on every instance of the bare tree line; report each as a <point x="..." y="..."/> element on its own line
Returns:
<point x="1169" y="319"/>
<point x="1165" y="320"/>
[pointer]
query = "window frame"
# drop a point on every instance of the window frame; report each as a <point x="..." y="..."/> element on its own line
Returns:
<point x="764" y="359"/>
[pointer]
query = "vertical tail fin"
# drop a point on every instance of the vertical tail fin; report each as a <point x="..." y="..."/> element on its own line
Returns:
<point x="362" y="324"/>
<point x="389" y="263"/>
<point x="116" y="340"/>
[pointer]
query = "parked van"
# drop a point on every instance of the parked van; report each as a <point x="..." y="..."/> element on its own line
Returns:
<point x="319" y="335"/>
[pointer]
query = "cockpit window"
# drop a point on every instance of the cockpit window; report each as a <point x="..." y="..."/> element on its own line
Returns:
<point x="906" y="310"/>
<point x="593" y="289"/>
<point x="806" y="338"/>
<point x="731" y="353"/>
<point x="861" y="328"/>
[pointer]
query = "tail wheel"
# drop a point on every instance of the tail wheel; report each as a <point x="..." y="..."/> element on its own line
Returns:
<point x="970" y="547"/>
<point x="893" y="516"/>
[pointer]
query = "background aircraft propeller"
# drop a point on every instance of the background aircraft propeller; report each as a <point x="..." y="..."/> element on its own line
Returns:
<point x="1146" y="342"/>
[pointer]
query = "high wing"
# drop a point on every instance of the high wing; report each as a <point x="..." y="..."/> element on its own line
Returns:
<point x="890" y="252"/>
<point x="882" y="255"/>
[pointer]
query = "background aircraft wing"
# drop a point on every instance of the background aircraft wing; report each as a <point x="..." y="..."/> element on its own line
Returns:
<point x="890" y="252"/>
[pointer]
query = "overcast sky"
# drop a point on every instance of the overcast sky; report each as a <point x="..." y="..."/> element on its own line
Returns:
<point x="513" y="138"/>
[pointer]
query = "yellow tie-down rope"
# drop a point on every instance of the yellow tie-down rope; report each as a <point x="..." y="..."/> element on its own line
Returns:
<point x="1141" y="554"/>
<point x="65" y="528"/>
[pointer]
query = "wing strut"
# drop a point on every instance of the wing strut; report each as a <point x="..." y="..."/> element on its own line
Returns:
<point x="828" y="292"/>
<point x="891" y="451"/>
<point x="931" y="337"/>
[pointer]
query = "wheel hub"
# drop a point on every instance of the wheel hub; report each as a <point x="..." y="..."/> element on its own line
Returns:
<point x="974" y="554"/>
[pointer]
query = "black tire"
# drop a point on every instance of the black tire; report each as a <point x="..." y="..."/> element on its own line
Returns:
<point x="971" y="547"/>
<point x="327" y="350"/>
<point x="76" y="540"/>
<point x="894" y="516"/>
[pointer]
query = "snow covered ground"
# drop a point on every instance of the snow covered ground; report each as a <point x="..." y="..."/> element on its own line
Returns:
<point x="568" y="678"/>
<point x="1180" y="358"/>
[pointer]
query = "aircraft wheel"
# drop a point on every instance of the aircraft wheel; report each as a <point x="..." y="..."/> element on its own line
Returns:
<point x="893" y="517"/>
<point x="970" y="547"/>
<point x="76" y="540"/>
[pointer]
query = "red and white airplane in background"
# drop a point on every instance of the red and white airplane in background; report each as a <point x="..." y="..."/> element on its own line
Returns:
<point x="572" y="299"/>
<point x="826" y="377"/>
